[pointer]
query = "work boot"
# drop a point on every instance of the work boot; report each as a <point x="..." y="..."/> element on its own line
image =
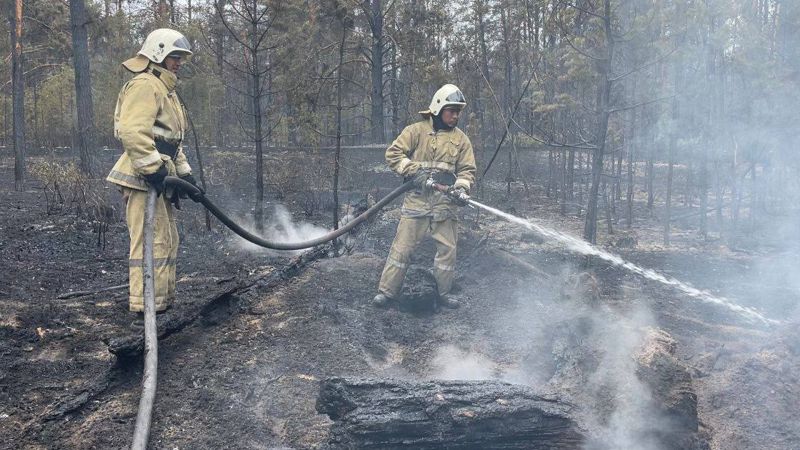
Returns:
<point x="380" y="300"/>
<point x="138" y="322"/>
<point x="447" y="301"/>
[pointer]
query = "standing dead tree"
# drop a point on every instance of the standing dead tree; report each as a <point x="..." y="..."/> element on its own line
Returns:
<point x="83" y="84"/>
<point x="250" y="23"/>
<point x="15" y="19"/>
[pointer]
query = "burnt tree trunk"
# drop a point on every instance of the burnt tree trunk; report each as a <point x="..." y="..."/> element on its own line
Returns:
<point x="257" y="93"/>
<point x="631" y="146"/>
<point x="376" y="26"/>
<point x="18" y="94"/>
<point x="390" y="414"/>
<point x="338" y="152"/>
<point x="83" y="84"/>
<point x="604" y="92"/>
<point x="222" y="106"/>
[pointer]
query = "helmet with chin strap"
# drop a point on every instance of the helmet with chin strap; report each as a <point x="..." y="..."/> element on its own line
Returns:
<point x="163" y="41"/>
<point x="157" y="46"/>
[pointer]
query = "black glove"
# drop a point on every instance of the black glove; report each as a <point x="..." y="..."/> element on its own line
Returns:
<point x="456" y="196"/>
<point x="190" y="179"/>
<point x="421" y="178"/>
<point x="443" y="178"/>
<point x="176" y="198"/>
<point x="156" y="179"/>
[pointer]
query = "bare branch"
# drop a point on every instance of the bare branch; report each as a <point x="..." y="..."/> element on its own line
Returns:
<point x="644" y="66"/>
<point x="649" y="102"/>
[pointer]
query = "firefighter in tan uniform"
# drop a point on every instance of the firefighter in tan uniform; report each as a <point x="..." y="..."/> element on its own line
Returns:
<point x="433" y="147"/>
<point x="150" y="122"/>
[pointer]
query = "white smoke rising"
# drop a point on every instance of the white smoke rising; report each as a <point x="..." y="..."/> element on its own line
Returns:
<point x="578" y="347"/>
<point x="452" y="363"/>
<point x="279" y="228"/>
<point x="624" y="415"/>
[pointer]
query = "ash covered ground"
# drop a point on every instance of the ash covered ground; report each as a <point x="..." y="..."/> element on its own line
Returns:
<point x="646" y="366"/>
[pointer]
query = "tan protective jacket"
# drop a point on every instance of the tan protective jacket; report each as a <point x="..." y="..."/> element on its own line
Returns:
<point x="445" y="150"/>
<point x="148" y="109"/>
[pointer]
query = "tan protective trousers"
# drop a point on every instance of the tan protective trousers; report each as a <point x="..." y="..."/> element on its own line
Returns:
<point x="165" y="249"/>
<point x="410" y="231"/>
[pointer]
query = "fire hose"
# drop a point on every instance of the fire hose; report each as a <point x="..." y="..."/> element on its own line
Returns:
<point x="141" y="431"/>
<point x="144" y="417"/>
<point x="143" y="420"/>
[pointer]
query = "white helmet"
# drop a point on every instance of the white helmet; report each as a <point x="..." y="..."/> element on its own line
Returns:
<point x="162" y="42"/>
<point x="447" y="95"/>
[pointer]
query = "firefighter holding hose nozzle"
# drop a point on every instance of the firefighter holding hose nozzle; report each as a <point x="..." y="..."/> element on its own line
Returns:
<point x="150" y="121"/>
<point x="433" y="148"/>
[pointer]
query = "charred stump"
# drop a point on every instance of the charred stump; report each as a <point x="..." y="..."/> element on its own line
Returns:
<point x="387" y="414"/>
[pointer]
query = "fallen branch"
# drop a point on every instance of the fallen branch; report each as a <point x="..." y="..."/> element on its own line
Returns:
<point x="174" y="321"/>
<point x="509" y="258"/>
<point x="74" y="294"/>
<point x="85" y="293"/>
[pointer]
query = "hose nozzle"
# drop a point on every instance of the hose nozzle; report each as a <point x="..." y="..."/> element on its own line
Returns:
<point x="461" y="198"/>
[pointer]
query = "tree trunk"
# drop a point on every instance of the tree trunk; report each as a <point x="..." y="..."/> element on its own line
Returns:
<point x="480" y="17"/>
<point x="563" y="181"/>
<point x="604" y="90"/>
<point x="338" y="129"/>
<point x="257" y="121"/>
<point x="571" y="175"/>
<point x="163" y="13"/>
<point x="673" y="142"/>
<point x="609" y="212"/>
<point x="222" y="103"/>
<point x="670" y="168"/>
<point x="650" y="170"/>
<point x="550" y="174"/>
<point x="376" y="25"/>
<point x="83" y="85"/>
<point x="631" y="168"/>
<point x="395" y="93"/>
<point x="18" y="94"/>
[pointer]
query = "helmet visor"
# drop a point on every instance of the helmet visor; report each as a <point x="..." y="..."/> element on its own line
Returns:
<point x="456" y="97"/>
<point x="182" y="44"/>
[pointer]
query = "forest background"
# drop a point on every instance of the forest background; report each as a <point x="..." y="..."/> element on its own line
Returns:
<point x="687" y="106"/>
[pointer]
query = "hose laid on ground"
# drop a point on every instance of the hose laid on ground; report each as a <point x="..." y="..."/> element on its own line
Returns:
<point x="193" y="191"/>
<point x="141" y="432"/>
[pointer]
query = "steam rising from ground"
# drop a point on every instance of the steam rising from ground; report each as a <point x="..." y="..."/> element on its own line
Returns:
<point x="576" y="347"/>
<point x="279" y="228"/>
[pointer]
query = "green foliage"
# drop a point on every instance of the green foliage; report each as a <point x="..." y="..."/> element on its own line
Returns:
<point x="731" y="68"/>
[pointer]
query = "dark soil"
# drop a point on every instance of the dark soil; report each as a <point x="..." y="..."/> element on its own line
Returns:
<point x="247" y="372"/>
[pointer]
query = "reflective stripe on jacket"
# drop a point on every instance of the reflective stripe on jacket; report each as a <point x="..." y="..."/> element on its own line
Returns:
<point x="445" y="150"/>
<point x="148" y="109"/>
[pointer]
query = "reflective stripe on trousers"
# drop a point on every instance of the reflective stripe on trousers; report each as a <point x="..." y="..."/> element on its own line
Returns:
<point x="410" y="231"/>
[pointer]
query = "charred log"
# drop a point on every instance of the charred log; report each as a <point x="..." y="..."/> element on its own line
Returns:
<point x="370" y="413"/>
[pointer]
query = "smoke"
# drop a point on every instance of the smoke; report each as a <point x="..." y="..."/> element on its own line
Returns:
<point x="557" y="337"/>
<point x="279" y="228"/>
<point x="452" y="363"/>
<point x="623" y="414"/>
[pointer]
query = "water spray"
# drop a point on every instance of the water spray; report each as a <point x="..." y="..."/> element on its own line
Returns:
<point x="144" y="416"/>
<point x="582" y="247"/>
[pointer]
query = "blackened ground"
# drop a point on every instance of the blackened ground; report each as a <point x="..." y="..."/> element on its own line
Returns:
<point x="247" y="373"/>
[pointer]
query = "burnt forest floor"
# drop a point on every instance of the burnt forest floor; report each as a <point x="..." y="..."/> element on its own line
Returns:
<point x="246" y="372"/>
